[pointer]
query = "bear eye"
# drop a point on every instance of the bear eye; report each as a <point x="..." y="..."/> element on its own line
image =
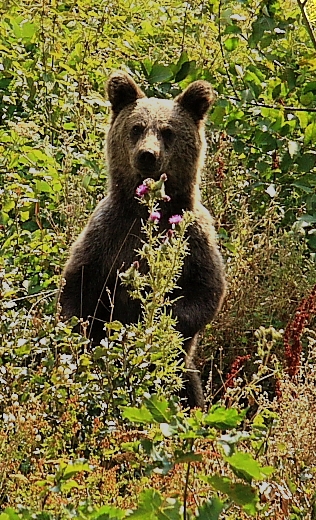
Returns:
<point x="167" y="135"/>
<point x="137" y="130"/>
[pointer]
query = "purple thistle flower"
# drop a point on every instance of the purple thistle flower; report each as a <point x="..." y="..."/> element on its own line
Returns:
<point x="142" y="190"/>
<point x="154" y="216"/>
<point x="175" y="219"/>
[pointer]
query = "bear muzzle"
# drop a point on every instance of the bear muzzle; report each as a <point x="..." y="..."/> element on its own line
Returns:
<point x="148" y="161"/>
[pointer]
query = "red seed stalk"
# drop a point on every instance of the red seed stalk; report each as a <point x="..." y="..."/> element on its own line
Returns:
<point x="294" y="331"/>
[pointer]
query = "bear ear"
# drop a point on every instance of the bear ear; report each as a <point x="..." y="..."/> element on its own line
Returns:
<point x="197" y="99"/>
<point x="122" y="91"/>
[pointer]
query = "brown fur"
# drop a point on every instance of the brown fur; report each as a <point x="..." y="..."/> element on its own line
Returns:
<point x="148" y="137"/>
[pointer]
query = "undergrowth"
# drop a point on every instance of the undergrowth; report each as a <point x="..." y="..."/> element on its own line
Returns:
<point x="99" y="433"/>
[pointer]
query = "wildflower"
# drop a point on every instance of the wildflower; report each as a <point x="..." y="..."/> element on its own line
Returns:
<point x="154" y="216"/>
<point x="175" y="219"/>
<point x="166" y="198"/>
<point x="142" y="190"/>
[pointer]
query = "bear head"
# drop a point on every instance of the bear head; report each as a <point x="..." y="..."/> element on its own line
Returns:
<point x="150" y="136"/>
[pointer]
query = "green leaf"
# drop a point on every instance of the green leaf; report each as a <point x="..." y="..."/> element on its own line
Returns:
<point x="108" y="513"/>
<point x="311" y="240"/>
<point x="37" y="156"/>
<point x="242" y="494"/>
<point x="303" y="118"/>
<point x="306" y="162"/>
<point x="42" y="187"/>
<point x="183" y="72"/>
<point x="218" y="114"/>
<point x="138" y="415"/>
<point x="159" y="409"/>
<point x="310" y="134"/>
<point x="9" y="514"/>
<point x="69" y="126"/>
<point x="150" y="501"/>
<point x="307" y="99"/>
<point x="72" y="470"/>
<point x="160" y="74"/>
<point x="114" y="325"/>
<point x="24" y="30"/>
<point x="247" y="467"/>
<point x="99" y="353"/>
<point x="210" y="510"/>
<point x="69" y="485"/>
<point x="222" y="418"/>
<point x="231" y="43"/>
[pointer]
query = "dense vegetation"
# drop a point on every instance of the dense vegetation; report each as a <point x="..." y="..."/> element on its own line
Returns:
<point x="93" y="433"/>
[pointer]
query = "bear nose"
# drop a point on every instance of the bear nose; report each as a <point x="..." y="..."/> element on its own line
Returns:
<point x="147" y="160"/>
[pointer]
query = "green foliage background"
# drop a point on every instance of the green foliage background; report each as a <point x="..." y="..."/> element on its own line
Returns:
<point x="260" y="183"/>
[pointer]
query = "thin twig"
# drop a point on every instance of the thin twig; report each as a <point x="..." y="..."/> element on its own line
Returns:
<point x="307" y="22"/>
<point x="184" y="26"/>
<point x="222" y="49"/>
<point x="186" y="485"/>
<point x="276" y="107"/>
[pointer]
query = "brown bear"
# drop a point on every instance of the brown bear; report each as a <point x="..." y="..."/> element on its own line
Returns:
<point x="148" y="137"/>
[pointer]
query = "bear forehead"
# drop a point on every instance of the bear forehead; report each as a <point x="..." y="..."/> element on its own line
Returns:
<point x="157" y="110"/>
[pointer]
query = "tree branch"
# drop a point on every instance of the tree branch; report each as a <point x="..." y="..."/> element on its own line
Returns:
<point x="275" y="107"/>
<point x="307" y="22"/>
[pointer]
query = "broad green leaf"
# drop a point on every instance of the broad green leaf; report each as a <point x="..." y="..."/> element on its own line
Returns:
<point x="114" y="325"/>
<point x="9" y="514"/>
<point x="183" y="72"/>
<point x="224" y="418"/>
<point x="138" y="415"/>
<point x="307" y="99"/>
<point x="310" y="134"/>
<point x="150" y="501"/>
<point x="309" y="219"/>
<point x="69" y="485"/>
<point x="35" y="155"/>
<point x="312" y="241"/>
<point x="303" y="118"/>
<point x="242" y="494"/>
<point x="42" y="187"/>
<point x="24" y="30"/>
<point x="73" y="469"/>
<point x="218" y="114"/>
<point x="108" y="513"/>
<point x="99" y="353"/>
<point x="303" y="187"/>
<point x="306" y="162"/>
<point x="210" y="510"/>
<point x="159" y="409"/>
<point x="184" y="58"/>
<point x="160" y="73"/>
<point x="245" y="465"/>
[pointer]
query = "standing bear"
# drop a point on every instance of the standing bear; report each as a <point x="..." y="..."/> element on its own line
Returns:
<point x="148" y="137"/>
